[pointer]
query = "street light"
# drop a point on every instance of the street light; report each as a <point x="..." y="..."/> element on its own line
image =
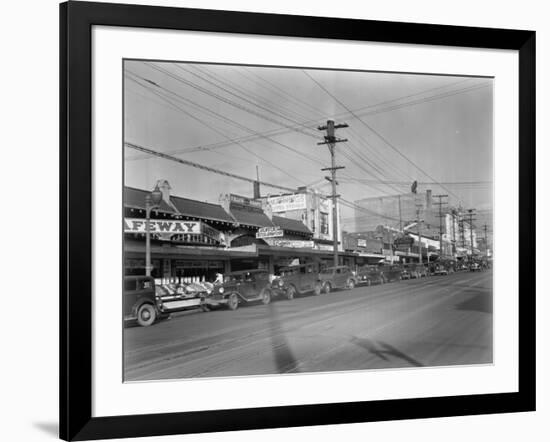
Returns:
<point x="152" y="201"/>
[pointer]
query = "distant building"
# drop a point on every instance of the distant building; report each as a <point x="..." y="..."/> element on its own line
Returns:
<point x="459" y="238"/>
<point x="391" y="210"/>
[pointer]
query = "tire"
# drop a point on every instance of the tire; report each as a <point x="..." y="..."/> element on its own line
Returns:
<point x="326" y="288"/>
<point x="266" y="297"/>
<point x="290" y="293"/>
<point x="317" y="289"/>
<point x="146" y="315"/>
<point x="351" y="284"/>
<point x="233" y="302"/>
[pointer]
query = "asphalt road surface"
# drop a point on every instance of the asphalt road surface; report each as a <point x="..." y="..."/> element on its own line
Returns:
<point x="434" y="321"/>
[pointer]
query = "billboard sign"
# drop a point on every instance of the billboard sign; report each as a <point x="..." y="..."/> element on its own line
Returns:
<point x="286" y="203"/>
<point x="244" y="201"/>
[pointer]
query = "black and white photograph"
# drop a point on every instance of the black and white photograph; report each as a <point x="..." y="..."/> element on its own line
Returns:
<point x="286" y="220"/>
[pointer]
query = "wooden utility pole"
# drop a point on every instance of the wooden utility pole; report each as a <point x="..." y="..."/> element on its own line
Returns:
<point x="461" y="229"/>
<point x="400" y="215"/>
<point x="330" y="141"/>
<point x="419" y="236"/>
<point x="471" y="219"/>
<point x="440" y="203"/>
<point x="453" y="241"/>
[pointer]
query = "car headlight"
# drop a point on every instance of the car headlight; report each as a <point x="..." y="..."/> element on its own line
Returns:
<point x="280" y="282"/>
<point x="221" y="290"/>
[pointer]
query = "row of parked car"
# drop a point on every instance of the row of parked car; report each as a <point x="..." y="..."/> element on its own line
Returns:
<point x="145" y="301"/>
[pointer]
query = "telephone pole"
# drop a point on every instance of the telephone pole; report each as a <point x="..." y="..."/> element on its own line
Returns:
<point x="440" y="203"/>
<point x="471" y="219"/>
<point x="461" y="229"/>
<point x="419" y="235"/>
<point x="400" y="216"/>
<point x="453" y="241"/>
<point x="330" y="141"/>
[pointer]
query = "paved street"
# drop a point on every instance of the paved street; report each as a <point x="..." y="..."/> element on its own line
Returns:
<point x="440" y="320"/>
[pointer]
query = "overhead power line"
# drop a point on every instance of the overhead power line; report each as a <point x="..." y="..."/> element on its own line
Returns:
<point x="190" y="115"/>
<point x="203" y="167"/>
<point x="374" y="131"/>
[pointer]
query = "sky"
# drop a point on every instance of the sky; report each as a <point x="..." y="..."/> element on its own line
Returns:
<point x="244" y="120"/>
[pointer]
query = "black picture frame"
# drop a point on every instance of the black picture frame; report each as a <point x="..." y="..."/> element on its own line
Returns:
<point x="76" y="21"/>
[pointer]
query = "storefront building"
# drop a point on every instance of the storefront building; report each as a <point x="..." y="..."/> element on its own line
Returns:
<point x="194" y="240"/>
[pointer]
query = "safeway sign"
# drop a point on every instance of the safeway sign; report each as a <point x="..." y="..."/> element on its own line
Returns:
<point x="136" y="225"/>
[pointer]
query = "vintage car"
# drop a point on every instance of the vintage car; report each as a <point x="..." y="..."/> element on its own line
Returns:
<point x="408" y="272"/>
<point x="369" y="274"/>
<point x="421" y="270"/>
<point x="475" y="267"/>
<point x="338" y="277"/>
<point x="414" y="270"/>
<point x="141" y="304"/>
<point x="440" y="269"/>
<point x="181" y="297"/>
<point x="241" y="287"/>
<point x="391" y="272"/>
<point x="297" y="280"/>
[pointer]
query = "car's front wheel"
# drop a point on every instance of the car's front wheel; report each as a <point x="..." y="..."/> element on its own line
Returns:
<point x="351" y="284"/>
<point x="233" y="301"/>
<point x="326" y="288"/>
<point x="266" y="297"/>
<point x="290" y="293"/>
<point x="146" y="315"/>
<point x="317" y="289"/>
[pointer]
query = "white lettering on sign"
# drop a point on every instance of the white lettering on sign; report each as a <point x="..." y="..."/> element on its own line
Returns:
<point x="296" y="244"/>
<point x="244" y="201"/>
<point x="287" y="202"/>
<point x="269" y="232"/>
<point x="137" y="225"/>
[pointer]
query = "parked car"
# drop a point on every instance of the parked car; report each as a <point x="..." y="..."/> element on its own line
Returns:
<point x="369" y="274"/>
<point x="440" y="269"/>
<point x="391" y="272"/>
<point x="141" y="304"/>
<point x="475" y="267"/>
<point x="297" y="280"/>
<point x="181" y="297"/>
<point x="421" y="270"/>
<point x="338" y="277"/>
<point x="242" y="287"/>
<point x="408" y="272"/>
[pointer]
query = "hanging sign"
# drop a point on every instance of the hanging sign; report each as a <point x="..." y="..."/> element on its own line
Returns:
<point x="269" y="232"/>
